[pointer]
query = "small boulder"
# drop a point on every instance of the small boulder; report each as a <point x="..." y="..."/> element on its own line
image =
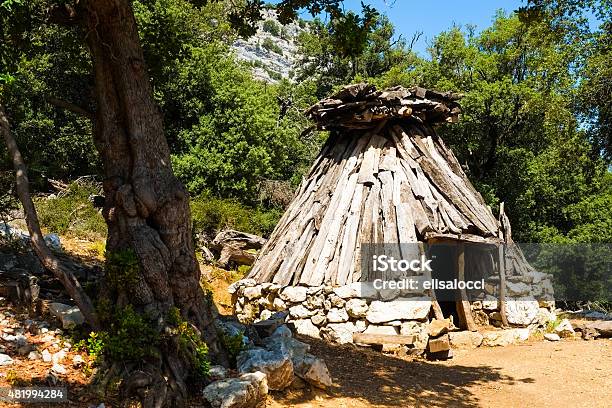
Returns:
<point x="306" y="328"/>
<point x="438" y="327"/>
<point x="58" y="369"/>
<point x="363" y="290"/>
<point x="401" y="308"/>
<point x="465" y="339"/>
<point x="252" y="292"/>
<point x="58" y="357"/>
<point x="356" y="308"/>
<point x="247" y="391"/>
<point x="313" y="370"/>
<point x="279" y="304"/>
<point x="522" y="311"/>
<point x="282" y="331"/>
<point x="552" y="337"/>
<point x="341" y="333"/>
<point x="70" y="316"/>
<point x="337" y="315"/>
<point x="217" y="372"/>
<point x="603" y="327"/>
<point x="276" y="364"/>
<point x="496" y="338"/>
<point x="5" y="360"/>
<point x="517" y="288"/>
<point x="319" y="319"/>
<point x="46" y="356"/>
<point x="78" y="361"/>
<point x="300" y="312"/>
<point x="34" y="355"/>
<point x="294" y="294"/>
<point x="419" y="330"/>
<point x="564" y="329"/>
<point x="489" y="303"/>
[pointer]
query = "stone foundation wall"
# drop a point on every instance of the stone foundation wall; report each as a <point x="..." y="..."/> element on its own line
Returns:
<point x="335" y="313"/>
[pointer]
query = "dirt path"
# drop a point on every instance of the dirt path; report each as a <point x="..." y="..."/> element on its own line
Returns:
<point x="538" y="374"/>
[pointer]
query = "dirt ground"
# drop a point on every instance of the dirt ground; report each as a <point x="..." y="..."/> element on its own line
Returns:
<point x="570" y="373"/>
<point x="536" y="374"/>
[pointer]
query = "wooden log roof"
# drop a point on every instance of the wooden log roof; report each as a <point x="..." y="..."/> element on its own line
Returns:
<point x="383" y="176"/>
<point x="363" y="106"/>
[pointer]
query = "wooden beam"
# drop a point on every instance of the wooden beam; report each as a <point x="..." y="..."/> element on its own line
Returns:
<point x="366" y="338"/>
<point x="502" y="264"/>
<point x="463" y="305"/>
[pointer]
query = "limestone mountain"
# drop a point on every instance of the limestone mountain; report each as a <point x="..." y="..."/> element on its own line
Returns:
<point x="273" y="51"/>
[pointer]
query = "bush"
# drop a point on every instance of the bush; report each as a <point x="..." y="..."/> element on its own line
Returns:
<point x="270" y="45"/>
<point x="72" y="213"/>
<point x="272" y="27"/>
<point x="211" y="215"/>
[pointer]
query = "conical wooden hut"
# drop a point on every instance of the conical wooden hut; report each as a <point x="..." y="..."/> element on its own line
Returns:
<point x="383" y="176"/>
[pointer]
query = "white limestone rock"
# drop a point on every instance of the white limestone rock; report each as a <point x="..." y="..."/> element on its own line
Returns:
<point x="552" y="337"/>
<point x="363" y="290"/>
<point x="252" y="292"/>
<point x="319" y="319"/>
<point x="565" y="329"/>
<point x="356" y="308"/>
<point x="384" y="330"/>
<point x="401" y="308"/>
<point x="307" y="328"/>
<point x="247" y="391"/>
<point x="341" y="333"/>
<point x="5" y="360"/>
<point x="417" y="329"/>
<point x="70" y="316"/>
<point x="294" y="294"/>
<point x="300" y="312"/>
<point x="276" y="364"/>
<point x="490" y="303"/>
<point x="522" y="311"/>
<point x="313" y="370"/>
<point x="337" y="315"/>
<point x="517" y="289"/>
<point x="465" y="339"/>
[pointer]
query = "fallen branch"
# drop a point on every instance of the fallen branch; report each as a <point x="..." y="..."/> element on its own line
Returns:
<point x="49" y="261"/>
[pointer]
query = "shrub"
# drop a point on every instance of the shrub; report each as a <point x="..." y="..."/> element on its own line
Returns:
<point x="272" y="27"/>
<point x="132" y="337"/>
<point x="233" y="344"/>
<point x="72" y="213"/>
<point x="190" y="343"/>
<point x="211" y="215"/>
<point x="270" y="45"/>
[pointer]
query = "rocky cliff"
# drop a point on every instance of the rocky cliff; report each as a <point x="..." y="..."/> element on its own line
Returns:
<point x="272" y="52"/>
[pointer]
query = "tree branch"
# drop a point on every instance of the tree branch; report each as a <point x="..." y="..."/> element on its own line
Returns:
<point x="64" y="14"/>
<point x="69" y="106"/>
<point x="50" y="261"/>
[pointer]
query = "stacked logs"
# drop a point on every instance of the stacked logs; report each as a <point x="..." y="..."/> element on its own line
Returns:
<point x="359" y="106"/>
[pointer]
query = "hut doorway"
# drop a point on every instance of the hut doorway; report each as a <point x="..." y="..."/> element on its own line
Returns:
<point x="448" y="265"/>
<point x="444" y="268"/>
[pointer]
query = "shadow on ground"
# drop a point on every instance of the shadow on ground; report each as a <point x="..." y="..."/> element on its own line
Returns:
<point x="382" y="380"/>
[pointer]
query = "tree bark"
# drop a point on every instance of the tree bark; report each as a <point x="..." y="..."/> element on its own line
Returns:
<point x="146" y="207"/>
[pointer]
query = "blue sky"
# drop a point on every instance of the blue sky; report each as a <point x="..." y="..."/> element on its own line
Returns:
<point x="432" y="17"/>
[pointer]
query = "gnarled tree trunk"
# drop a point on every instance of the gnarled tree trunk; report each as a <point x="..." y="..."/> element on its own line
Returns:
<point x="146" y="208"/>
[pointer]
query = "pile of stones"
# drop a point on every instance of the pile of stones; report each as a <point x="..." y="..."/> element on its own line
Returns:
<point x="271" y="360"/>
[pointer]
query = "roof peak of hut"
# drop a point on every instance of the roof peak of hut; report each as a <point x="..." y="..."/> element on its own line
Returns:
<point x="362" y="106"/>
